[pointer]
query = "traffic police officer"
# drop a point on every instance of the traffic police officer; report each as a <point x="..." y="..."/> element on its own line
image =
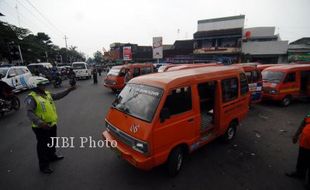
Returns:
<point x="42" y="113"/>
<point x="303" y="161"/>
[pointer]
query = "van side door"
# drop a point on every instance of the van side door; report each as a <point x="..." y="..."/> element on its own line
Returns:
<point x="290" y="84"/>
<point x="179" y="124"/>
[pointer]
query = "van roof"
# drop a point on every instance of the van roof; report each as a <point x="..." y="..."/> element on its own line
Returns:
<point x="131" y="65"/>
<point x="289" y="67"/>
<point x="181" y="77"/>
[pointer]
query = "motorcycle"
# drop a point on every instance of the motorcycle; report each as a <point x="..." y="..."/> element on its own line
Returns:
<point x="57" y="81"/>
<point x="9" y="103"/>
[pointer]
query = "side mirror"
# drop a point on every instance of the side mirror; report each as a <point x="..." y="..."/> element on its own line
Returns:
<point x="164" y="114"/>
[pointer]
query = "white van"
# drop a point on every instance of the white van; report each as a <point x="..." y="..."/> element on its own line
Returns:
<point x="81" y="70"/>
<point x="18" y="77"/>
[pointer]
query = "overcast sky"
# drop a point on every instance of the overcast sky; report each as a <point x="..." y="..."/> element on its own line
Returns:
<point x="93" y="24"/>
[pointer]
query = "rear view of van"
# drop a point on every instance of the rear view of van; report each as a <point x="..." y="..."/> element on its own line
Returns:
<point x="81" y="70"/>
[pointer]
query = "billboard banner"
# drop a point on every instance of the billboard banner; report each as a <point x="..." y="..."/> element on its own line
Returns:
<point x="157" y="47"/>
<point x="127" y="54"/>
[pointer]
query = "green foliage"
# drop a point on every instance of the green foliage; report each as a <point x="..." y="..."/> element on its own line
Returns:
<point x="34" y="47"/>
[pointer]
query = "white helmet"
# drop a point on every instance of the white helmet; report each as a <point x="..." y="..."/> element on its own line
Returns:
<point x="34" y="81"/>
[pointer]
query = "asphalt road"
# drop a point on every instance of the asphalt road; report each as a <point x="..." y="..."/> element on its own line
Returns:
<point x="257" y="158"/>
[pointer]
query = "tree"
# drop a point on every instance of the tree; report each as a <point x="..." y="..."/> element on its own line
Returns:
<point x="98" y="57"/>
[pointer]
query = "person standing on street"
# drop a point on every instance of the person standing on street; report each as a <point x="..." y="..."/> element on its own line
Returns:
<point x="71" y="76"/>
<point x="41" y="111"/>
<point x="95" y="75"/>
<point x="127" y="76"/>
<point x="303" y="160"/>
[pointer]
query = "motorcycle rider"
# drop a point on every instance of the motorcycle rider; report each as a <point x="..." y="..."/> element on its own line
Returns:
<point x="5" y="89"/>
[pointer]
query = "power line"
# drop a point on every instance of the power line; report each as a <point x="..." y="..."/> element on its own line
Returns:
<point x="44" y="17"/>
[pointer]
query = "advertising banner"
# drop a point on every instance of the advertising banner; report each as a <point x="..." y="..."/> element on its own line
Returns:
<point x="127" y="54"/>
<point x="157" y="47"/>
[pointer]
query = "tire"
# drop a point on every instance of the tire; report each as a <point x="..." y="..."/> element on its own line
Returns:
<point x="230" y="132"/>
<point x="286" y="101"/>
<point x="15" y="103"/>
<point x="175" y="161"/>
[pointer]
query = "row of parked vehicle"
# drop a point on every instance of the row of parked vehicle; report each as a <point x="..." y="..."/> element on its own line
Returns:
<point x="278" y="82"/>
<point x="159" y="118"/>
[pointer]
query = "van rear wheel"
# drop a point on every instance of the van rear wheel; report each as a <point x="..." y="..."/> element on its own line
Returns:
<point x="230" y="132"/>
<point x="175" y="161"/>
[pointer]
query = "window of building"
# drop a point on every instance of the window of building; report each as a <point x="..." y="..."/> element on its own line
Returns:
<point x="179" y="101"/>
<point x="229" y="89"/>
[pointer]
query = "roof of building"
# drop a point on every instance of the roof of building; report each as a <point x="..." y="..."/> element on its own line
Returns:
<point x="305" y="40"/>
<point x="221" y="19"/>
<point x="216" y="33"/>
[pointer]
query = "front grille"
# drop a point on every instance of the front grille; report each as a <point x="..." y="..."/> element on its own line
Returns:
<point x="121" y="136"/>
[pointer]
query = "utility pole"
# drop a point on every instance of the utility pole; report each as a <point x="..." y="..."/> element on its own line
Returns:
<point x="20" y="54"/>
<point x="66" y="41"/>
<point x="18" y="18"/>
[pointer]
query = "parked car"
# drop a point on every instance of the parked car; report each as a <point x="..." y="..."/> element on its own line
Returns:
<point x="287" y="82"/>
<point x="18" y="77"/>
<point x="115" y="79"/>
<point x="41" y="69"/>
<point x="81" y="70"/>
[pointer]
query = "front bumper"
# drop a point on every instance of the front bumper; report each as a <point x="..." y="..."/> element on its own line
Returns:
<point x="133" y="157"/>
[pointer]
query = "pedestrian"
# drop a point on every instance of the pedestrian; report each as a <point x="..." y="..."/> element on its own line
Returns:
<point x="303" y="160"/>
<point x="71" y="76"/>
<point x="127" y="76"/>
<point x="95" y="75"/>
<point x="99" y="71"/>
<point x="41" y="111"/>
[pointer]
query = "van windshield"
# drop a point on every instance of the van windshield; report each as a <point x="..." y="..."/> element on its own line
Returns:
<point x="139" y="101"/>
<point x="114" y="72"/>
<point x="272" y="76"/>
<point x="3" y="71"/>
<point x="79" y="66"/>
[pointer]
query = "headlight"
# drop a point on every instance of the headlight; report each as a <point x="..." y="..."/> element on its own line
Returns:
<point x="273" y="91"/>
<point x="140" y="147"/>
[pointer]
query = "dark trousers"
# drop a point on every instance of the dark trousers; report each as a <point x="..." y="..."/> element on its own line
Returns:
<point x="45" y="154"/>
<point x="303" y="163"/>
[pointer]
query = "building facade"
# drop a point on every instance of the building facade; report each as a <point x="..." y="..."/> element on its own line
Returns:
<point x="299" y="50"/>
<point x="261" y="44"/>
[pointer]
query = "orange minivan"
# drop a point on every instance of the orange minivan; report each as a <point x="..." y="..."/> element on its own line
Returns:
<point x="287" y="82"/>
<point x="115" y="79"/>
<point x="159" y="118"/>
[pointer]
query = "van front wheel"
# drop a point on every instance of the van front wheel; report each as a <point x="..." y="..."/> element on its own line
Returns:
<point x="286" y="101"/>
<point x="175" y="161"/>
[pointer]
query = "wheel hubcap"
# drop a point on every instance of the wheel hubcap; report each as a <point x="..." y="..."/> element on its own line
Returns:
<point x="230" y="133"/>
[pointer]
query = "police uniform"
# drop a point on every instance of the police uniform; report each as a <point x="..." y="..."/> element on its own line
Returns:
<point x="41" y="110"/>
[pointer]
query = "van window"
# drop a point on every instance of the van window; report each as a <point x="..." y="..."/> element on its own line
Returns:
<point x="244" y="87"/>
<point x="272" y="76"/>
<point x="290" y="77"/>
<point x="114" y="72"/>
<point x="12" y="72"/>
<point x="19" y="71"/>
<point x="145" y="70"/>
<point x="136" y="72"/>
<point x="79" y="66"/>
<point x="139" y="101"/>
<point x="179" y="100"/>
<point x="230" y="89"/>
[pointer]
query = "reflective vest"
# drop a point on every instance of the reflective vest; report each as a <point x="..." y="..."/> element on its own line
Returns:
<point x="46" y="109"/>
<point x="304" y="141"/>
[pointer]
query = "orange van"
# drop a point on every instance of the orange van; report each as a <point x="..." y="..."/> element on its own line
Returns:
<point x="159" y="118"/>
<point x="115" y="79"/>
<point x="287" y="82"/>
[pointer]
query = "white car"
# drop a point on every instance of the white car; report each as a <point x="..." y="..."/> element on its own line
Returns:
<point x="18" y="77"/>
<point x="81" y="70"/>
